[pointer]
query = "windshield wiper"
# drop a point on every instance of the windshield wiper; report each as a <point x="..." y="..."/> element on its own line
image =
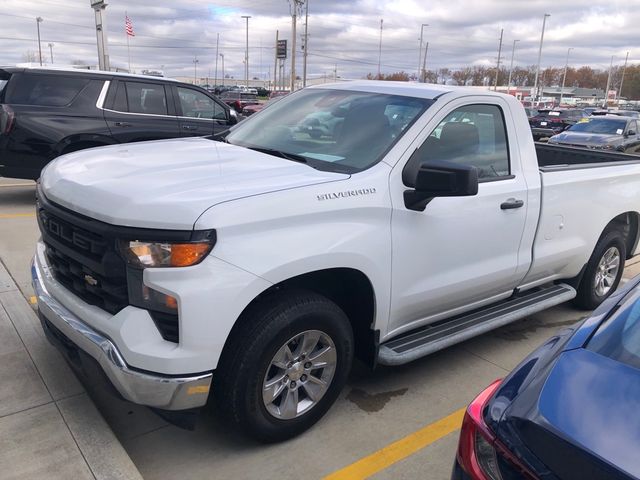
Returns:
<point x="279" y="153"/>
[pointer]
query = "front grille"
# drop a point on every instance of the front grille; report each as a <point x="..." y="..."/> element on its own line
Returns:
<point x="84" y="261"/>
<point x="82" y="254"/>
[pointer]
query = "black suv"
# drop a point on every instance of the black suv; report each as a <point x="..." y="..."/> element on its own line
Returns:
<point x="45" y="113"/>
<point x="548" y="123"/>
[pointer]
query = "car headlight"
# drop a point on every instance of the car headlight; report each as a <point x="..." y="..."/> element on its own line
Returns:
<point x="163" y="254"/>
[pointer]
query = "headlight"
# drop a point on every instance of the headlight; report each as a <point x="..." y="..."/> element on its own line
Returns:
<point x="153" y="254"/>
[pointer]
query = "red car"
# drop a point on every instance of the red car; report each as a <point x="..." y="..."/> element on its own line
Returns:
<point x="239" y="100"/>
<point x="251" y="109"/>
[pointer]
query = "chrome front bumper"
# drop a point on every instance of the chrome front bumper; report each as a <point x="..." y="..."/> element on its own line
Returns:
<point x="153" y="390"/>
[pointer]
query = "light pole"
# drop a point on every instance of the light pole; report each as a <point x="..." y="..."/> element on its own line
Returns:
<point x="495" y="87"/>
<point x="535" y="83"/>
<point x="38" y="21"/>
<point x="606" y="90"/>
<point x="380" y="49"/>
<point x="222" y="56"/>
<point x="424" y="64"/>
<point x="564" y="76"/>
<point x="99" y="8"/>
<point x="215" y="75"/>
<point x="51" y="50"/>
<point x="624" y="70"/>
<point x="513" y="51"/>
<point x="195" y="69"/>
<point x="246" y="52"/>
<point x="419" y="77"/>
<point x="306" y="44"/>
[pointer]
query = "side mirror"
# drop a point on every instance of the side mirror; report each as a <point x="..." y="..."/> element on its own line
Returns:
<point x="631" y="133"/>
<point x="233" y="117"/>
<point x="439" y="179"/>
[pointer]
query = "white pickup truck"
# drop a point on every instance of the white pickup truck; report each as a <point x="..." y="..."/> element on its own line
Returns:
<point x="376" y="220"/>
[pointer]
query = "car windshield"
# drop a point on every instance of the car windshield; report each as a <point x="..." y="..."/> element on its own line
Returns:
<point x="607" y="126"/>
<point x="334" y="130"/>
<point x="619" y="337"/>
<point x="551" y="113"/>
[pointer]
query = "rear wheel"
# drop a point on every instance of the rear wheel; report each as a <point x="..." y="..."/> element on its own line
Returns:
<point x="603" y="272"/>
<point x="285" y="366"/>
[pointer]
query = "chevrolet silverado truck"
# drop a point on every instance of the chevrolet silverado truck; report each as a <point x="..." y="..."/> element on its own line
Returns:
<point x="254" y="267"/>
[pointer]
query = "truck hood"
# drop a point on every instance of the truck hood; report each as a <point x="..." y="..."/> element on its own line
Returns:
<point x="169" y="183"/>
<point x="589" y="139"/>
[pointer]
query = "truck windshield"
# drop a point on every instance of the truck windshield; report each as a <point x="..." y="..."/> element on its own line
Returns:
<point x="333" y="130"/>
<point x="607" y="126"/>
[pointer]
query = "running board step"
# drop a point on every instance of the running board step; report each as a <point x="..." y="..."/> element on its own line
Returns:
<point x="431" y="338"/>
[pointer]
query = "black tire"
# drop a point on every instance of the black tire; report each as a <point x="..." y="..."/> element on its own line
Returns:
<point x="264" y="329"/>
<point x="588" y="298"/>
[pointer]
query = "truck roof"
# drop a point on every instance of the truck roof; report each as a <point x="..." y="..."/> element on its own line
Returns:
<point x="409" y="89"/>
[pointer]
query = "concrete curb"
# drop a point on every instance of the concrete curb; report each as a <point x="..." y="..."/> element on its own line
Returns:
<point x="49" y="426"/>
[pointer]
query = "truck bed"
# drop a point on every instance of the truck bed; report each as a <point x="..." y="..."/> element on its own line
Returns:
<point x="559" y="157"/>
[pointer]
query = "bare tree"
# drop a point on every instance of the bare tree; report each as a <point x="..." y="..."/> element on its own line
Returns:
<point x="30" y="57"/>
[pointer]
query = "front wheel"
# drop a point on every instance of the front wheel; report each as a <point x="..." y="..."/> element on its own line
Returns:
<point x="285" y="366"/>
<point x="603" y="272"/>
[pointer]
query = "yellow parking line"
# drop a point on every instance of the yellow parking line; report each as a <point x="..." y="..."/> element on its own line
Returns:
<point x="16" y="215"/>
<point x="17" y="185"/>
<point x="400" y="449"/>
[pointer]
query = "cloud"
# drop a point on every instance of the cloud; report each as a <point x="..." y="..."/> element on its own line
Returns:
<point x="342" y="35"/>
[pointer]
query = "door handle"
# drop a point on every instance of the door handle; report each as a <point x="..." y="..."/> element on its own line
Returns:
<point x="511" y="203"/>
<point x="190" y="127"/>
<point x="122" y="124"/>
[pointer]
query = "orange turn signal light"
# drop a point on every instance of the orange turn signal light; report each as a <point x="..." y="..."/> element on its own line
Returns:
<point x="185" y="254"/>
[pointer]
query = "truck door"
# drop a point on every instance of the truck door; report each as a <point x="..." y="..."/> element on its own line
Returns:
<point x="460" y="252"/>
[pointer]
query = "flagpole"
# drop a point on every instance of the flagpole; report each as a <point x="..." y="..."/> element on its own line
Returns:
<point x="128" y="49"/>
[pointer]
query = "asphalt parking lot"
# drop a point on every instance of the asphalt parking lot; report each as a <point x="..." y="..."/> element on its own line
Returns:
<point x="394" y="423"/>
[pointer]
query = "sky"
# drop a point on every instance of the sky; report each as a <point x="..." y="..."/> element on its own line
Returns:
<point x="343" y="35"/>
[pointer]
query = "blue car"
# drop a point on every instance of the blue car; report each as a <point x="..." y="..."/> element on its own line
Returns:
<point x="569" y="411"/>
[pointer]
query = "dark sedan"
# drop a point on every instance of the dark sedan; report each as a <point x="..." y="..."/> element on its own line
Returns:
<point x="551" y="122"/>
<point x="569" y="410"/>
<point x="602" y="132"/>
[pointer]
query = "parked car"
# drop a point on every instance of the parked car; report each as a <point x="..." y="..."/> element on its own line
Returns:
<point x="531" y="112"/>
<point x="551" y="122"/>
<point x="569" y="410"/>
<point x="238" y="99"/>
<point x="255" y="268"/>
<point x="609" y="132"/>
<point x="258" y="107"/>
<point x="278" y="93"/>
<point x="620" y="113"/>
<point x="45" y="113"/>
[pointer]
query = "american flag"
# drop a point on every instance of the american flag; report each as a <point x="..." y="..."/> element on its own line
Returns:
<point x="128" y="26"/>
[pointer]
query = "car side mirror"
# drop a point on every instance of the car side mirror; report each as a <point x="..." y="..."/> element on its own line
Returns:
<point x="439" y="179"/>
<point x="631" y="133"/>
<point x="233" y="117"/>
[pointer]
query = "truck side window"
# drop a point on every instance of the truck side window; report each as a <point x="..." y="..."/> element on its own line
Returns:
<point x="470" y="135"/>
